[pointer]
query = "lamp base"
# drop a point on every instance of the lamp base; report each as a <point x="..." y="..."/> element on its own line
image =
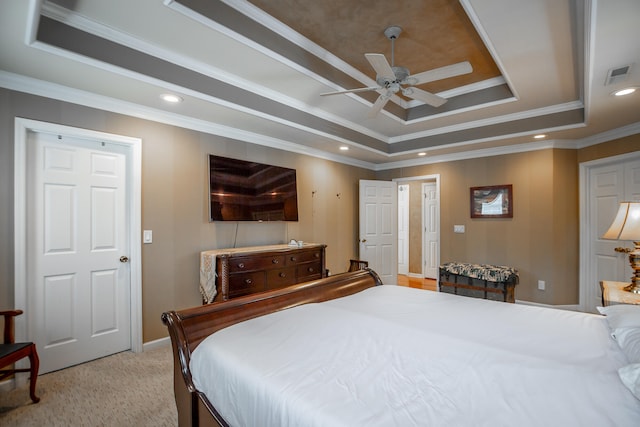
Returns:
<point x="633" y="288"/>
<point x="634" y="260"/>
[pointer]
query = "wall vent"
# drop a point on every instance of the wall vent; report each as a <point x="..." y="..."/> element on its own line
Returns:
<point x="618" y="74"/>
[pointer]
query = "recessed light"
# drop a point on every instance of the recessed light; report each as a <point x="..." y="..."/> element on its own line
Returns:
<point x="540" y="136"/>
<point x="625" y="91"/>
<point x="344" y="148"/>
<point x="169" y="97"/>
<point x="422" y="154"/>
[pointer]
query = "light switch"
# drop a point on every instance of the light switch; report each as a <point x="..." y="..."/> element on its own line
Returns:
<point x="458" y="228"/>
<point x="147" y="236"/>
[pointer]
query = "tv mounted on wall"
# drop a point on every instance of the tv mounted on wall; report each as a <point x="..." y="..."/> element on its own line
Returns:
<point x="241" y="190"/>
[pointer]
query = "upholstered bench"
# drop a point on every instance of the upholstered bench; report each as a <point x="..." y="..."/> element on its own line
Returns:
<point x="492" y="282"/>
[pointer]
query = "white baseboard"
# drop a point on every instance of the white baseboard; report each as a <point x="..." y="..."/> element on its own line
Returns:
<point x="570" y="307"/>
<point x="152" y="345"/>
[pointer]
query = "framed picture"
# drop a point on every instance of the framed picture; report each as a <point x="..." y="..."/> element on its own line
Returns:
<point x="495" y="201"/>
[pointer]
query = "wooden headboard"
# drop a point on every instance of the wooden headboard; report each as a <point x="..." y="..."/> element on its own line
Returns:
<point x="188" y="327"/>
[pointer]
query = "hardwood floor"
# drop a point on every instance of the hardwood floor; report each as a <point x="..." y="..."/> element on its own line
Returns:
<point x="412" y="282"/>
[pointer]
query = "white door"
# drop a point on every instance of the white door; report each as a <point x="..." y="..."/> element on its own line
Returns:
<point x="430" y="238"/>
<point x="609" y="185"/>
<point x="403" y="229"/>
<point x="378" y="228"/>
<point x="78" y="285"/>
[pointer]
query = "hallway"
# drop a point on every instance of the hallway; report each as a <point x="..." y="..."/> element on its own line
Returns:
<point x="413" y="282"/>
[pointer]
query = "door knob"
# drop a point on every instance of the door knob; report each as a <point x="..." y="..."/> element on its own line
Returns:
<point x="124" y="259"/>
<point x="363" y="240"/>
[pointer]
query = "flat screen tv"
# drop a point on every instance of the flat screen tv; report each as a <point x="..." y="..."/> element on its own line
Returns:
<point x="241" y="190"/>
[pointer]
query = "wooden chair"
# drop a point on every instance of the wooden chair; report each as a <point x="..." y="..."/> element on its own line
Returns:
<point x="11" y="352"/>
<point x="356" y="264"/>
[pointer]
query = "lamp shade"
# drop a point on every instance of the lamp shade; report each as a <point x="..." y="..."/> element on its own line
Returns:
<point x="626" y="224"/>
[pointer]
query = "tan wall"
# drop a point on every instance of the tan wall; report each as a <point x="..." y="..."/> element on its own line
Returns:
<point x="541" y="238"/>
<point x="174" y="201"/>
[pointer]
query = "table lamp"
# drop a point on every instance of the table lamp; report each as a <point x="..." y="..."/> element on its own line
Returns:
<point x="626" y="226"/>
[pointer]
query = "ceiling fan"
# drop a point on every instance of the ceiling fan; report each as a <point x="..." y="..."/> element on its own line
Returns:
<point x="392" y="79"/>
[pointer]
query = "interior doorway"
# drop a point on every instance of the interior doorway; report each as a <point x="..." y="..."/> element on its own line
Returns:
<point x="403" y="229"/>
<point x="423" y="219"/>
<point x="54" y="149"/>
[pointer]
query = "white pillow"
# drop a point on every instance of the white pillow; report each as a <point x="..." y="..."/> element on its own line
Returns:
<point x="622" y="316"/>
<point x="630" y="377"/>
<point x="629" y="341"/>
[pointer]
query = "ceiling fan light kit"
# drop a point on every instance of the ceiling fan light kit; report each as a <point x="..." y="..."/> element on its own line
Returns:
<point x="392" y="79"/>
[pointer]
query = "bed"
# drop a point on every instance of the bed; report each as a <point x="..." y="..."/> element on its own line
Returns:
<point x="348" y="351"/>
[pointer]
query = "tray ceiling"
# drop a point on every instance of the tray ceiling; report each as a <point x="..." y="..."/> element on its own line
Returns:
<point x="254" y="70"/>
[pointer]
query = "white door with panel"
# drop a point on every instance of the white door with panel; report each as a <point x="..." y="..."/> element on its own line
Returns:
<point x="403" y="229"/>
<point x="431" y="222"/>
<point x="609" y="185"/>
<point x="378" y="228"/>
<point x="78" y="278"/>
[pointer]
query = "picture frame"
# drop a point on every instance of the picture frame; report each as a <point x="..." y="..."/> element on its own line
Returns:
<point x="494" y="201"/>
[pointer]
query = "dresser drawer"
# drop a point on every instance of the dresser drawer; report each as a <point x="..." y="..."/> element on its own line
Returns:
<point x="309" y="271"/>
<point x="242" y="272"/>
<point x="251" y="263"/>
<point x="304" y="256"/>
<point x="280" y="277"/>
<point x="246" y="283"/>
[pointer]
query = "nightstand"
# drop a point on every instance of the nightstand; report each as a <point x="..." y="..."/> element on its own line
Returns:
<point x="612" y="293"/>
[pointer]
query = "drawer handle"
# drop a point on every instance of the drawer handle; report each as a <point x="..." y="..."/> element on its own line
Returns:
<point x="310" y="269"/>
<point x="317" y="255"/>
<point x="275" y="261"/>
<point x="282" y="274"/>
<point x="248" y="281"/>
<point x="293" y="259"/>
<point x="241" y="265"/>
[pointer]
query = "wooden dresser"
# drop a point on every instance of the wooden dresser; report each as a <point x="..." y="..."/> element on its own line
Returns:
<point x="243" y="271"/>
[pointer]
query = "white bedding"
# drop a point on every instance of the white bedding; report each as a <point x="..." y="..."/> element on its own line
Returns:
<point x="396" y="356"/>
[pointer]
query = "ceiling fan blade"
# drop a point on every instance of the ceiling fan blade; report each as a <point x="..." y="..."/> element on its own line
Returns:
<point x="361" y="89"/>
<point x="380" y="64"/>
<point x="439" y="73"/>
<point x="424" y="96"/>
<point x="377" y="106"/>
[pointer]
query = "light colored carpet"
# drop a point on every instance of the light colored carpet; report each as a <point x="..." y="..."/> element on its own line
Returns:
<point x="126" y="389"/>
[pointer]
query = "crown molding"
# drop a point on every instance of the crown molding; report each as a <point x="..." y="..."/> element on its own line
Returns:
<point x="610" y="135"/>
<point x="63" y="93"/>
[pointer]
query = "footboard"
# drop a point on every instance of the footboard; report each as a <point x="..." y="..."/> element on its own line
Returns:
<point x="187" y="328"/>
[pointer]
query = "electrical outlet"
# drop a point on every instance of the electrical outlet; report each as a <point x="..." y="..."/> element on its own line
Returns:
<point x="541" y="285"/>
<point x="458" y="228"/>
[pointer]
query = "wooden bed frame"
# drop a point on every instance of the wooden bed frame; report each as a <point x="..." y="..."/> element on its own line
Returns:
<point x="187" y="328"/>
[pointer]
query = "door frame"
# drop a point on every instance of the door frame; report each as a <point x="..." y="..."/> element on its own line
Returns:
<point x="430" y="178"/>
<point x="22" y="127"/>
<point x="405" y="245"/>
<point x="586" y="275"/>
<point x="424" y="227"/>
